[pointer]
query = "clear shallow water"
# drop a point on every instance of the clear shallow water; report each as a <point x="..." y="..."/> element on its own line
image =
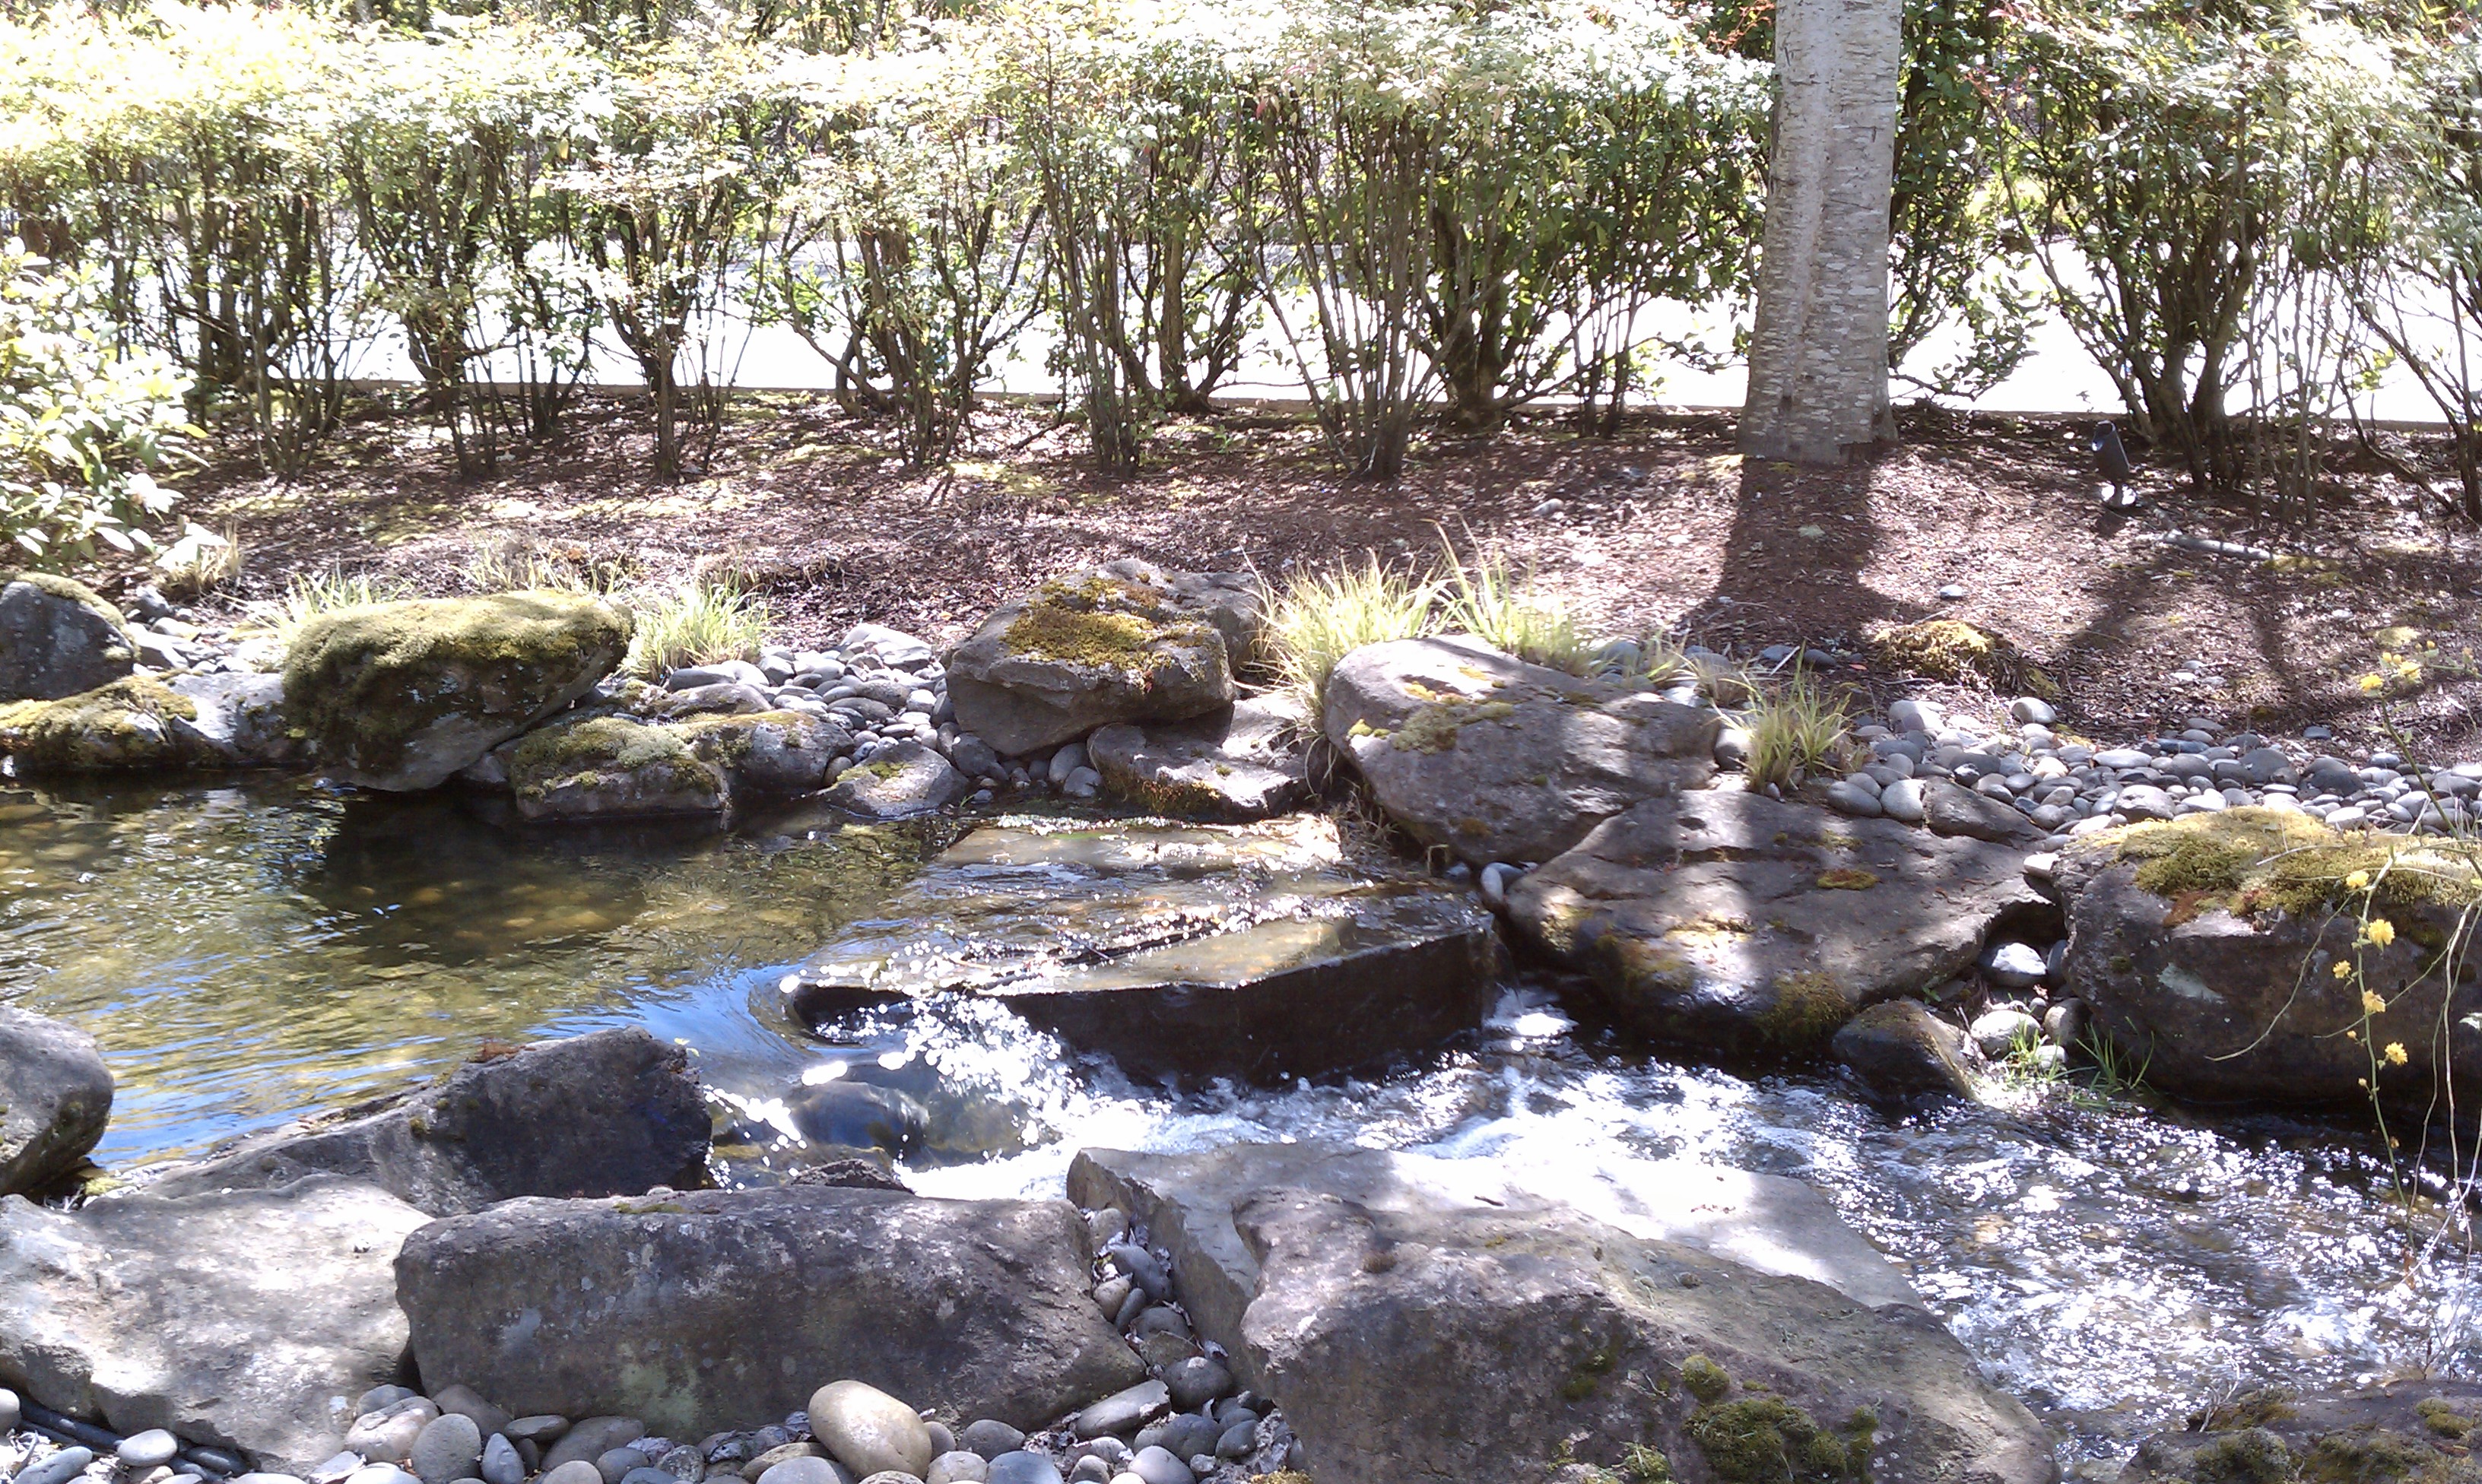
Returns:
<point x="248" y="954"/>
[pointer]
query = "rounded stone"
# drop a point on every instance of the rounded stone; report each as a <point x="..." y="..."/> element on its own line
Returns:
<point x="381" y="1397"/>
<point x="590" y="1439"/>
<point x="59" y="1469"/>
<point x="648" y="1474"/>
<point x="501" y="1463"/>
<point x="1197" y="1381"/>
<point x="543" y="1427"/>
<point x="152" y="1449"/>
<point x="379" y="1473"/>
<point x="618" y="1464"/>
<point x="1997" y="1032"/>
<point x="577" y="1471"/>
<point x="447" y="1448"/>
<point x="1156" y="1465"/>
<point x="990" y="1438"/>
<point x="807" y="1468"/>
<point x="780" y="1453"/>
<point x="2013" y="966"/>
<point x="1902" y="801"/>
<point x="10" y="1408"/>
<point x="1023" y="1468"/>
<point x="961" y="1466"/>
<point x="893" y="1477"/>
<point x="683" y="1461"/>
<point x="869" y="1431"/>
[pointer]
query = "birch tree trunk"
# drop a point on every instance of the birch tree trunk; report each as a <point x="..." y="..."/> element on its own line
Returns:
<point x="1818" y="353"/>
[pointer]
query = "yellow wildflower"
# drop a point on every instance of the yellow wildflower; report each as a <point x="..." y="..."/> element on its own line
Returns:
<point x="2358" y="881"/>
<point x="2380" y="931"/>
<point x="2343" y="970"/>
<point x="2372" y="1003"/>
<point x="2396" y="1054"/>
<point x="2373" y="683"/>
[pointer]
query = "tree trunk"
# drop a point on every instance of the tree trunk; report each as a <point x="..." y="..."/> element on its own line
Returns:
<point x="1818" y="353"/>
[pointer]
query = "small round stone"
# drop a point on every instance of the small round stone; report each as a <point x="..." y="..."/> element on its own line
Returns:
<point x="869" y="1431"/>
<point x="152" y="1449"/>
<point x="1159" y="1465"/>
<point x="961" y="1466"/>
<point x="990" y="1438"/>
<point x="9" y="1409"/>
<point x="577" y="1471"/>
<point x="447" y="1449"/>
<point x="1024" y="1468"/>
<point x="618" y="1464"/>
<point x="809" y="1469"/>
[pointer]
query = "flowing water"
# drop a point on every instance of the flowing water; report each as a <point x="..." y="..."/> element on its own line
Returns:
<point x="245" y="953"/>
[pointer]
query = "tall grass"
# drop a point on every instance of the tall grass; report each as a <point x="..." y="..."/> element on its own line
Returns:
<point x="1796" y="731"/>
<point x="1489" y="600"/>
<point x="521" y="566"/>
<point x="309" y="596"/>
<point x="1314" y="619"/>
<point x="696" y="623"/>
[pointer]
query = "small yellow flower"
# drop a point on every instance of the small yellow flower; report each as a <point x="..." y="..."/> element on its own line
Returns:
<point x="2408" y="670"/>
<point x="2352" y="1035"/>
<point x="2372" y="1003"/>
<point x="2343" y="970"/>
<point x="2373" y="683"/>
<point x="2380" y="931"/>
<point x="2358" y="881"/>
<point x="2396" y="1054"/>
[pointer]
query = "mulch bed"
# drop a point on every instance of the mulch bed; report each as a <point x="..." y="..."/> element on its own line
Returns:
<point x="1662" y="526"/>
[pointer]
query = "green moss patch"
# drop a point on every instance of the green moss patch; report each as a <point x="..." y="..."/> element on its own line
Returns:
<point x="2250" y="861"/>
<point x="1703" y="1379"/>
<point x="121" y="725"/>
<point x="1768" y="1439"/>
<point x="1809" y="1008"/>
<point x="1954" y="651"/>
<point x="69" y="591"/>
<point x="587" y="753"/>
<point x="1099" y="622"/>
<point x="1847" y="879"/>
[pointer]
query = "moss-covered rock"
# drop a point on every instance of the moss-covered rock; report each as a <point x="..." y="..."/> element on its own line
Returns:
<point x="401" y="695"/>
<point x="2255" y="953"/>
<point x="1127" y="642"/>
<point x="2408" y="1432"/>
<point x="1959" y="653"/>
<point x="611" y="767"/>
<point x="58" y="638"/>
<point x="906" y="779"/>
<point x="772" y="752"/>
<point x="1901" y="1048"/>
<point x="129" y="725"/>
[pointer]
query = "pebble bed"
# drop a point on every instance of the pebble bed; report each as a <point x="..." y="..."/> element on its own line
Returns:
<point x="1191" y="1424"/>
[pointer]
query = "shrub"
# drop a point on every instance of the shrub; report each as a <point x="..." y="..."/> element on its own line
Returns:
<point x="1796" y="731"/>
<point x="1314" y="619"/>
<point x="698" y="623"/>
<point x="82" y="425"/>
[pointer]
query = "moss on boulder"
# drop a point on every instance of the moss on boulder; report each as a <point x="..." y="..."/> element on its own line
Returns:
<point x="1959" y="653"/>
<point x="2391" y="1434"/>
<point x="58" y="638"/>
<point x="401" y="695"/>
<point x="128" y="725"/>
<point x="612" y="767"/>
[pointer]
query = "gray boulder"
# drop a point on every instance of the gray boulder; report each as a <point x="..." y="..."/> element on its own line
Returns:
<point x="1731" y="921"/>
<point x="55" y="1099"/>
<point x="723" y="1309"/>
<point x="905" y="780"/>
<point x="614" y="1112"/>
<point x="1950" y="810"/>
<point x="772" y="753"/>
<point x="244" y="1319"/>
<point x="1419" y="1318"/>
<point x="237" y="719"/>
<point x="58" y="638"/>
<point x="1234" y="950"/>
<point x="400" y="697"/>
<point x="1244" y="762"/>
<point x="612" y="767"/>
<point x="2206" y="948"/>
<point x="1898" y="1047"/>
<point x="1127" y="642"/>
<point x="1499" y="760"/>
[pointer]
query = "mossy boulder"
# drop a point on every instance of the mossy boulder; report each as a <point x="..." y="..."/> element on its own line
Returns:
<point x="1245" y="762"/>
<point x="55" y="1099"/>
<point x="135" y="724"/>
<point x="2255" y="954"/>
<point x="771" y="753"/>
<point x="58" y="638"/>
<point x="906" y="780"/>
<point x="1499" y="760"/>
<point x="1127" y="642"/>
<point x="1732" y="922"/>
<point x="1898" y="1047"/>
<point x="401" y="695"/>
<point x="612" y="767"/>
<point x="2407" y="1432"/>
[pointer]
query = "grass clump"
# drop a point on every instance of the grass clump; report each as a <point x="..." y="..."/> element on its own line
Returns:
<point x="1956" y="652"/>
<point x="313" y="596"/>
<point x="1488" y="600"/>
<point x="1313" y="619"/>
<point x="198" y="563"/>
<point x="1796" y="731"/>
<point x="523" y="566"/>
<point x="696" y="623"/>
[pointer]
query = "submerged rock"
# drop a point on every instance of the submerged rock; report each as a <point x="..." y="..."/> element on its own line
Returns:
<point x="2407" y="1432"/>
<point x="2207" y="949"/>
<point x="1499" y="760"/>
<point x="1244" y="762"/>
<point x="614" y="1112"/>
<point x="58" y="638"/>
<point x="400" y="697"/>
<point x="1416" y="1317"/>
<point x="723" y="1309"/>
<point x="1128" y="642"/>
<point x="233" y="1319"/>
<point x="55" y="1099"/>
<point x="1251" y="951"/>
<point x="1734" y="921"/>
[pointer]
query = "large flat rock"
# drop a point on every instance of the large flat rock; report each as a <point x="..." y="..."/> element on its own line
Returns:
<point x="1739" y="923"/>
<point x="1499" y="760"/>
<point x="1765" y="1222"/>
<point x="247" y="1320"/>
<point x="614" y="1112"/>
<point x="726" y="1309"/>
<point x="1255" y="951"/>
<point x="55" y="1099"/>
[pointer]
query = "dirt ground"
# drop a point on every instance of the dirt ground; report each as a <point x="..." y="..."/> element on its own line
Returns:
<point x="1661" y="527"/>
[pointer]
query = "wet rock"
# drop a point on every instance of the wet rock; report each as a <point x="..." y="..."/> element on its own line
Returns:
<point x="718" y="1308"/>
<point x="401" y="695"/>
<point x="1766" y="1223"/>
<point x="608" y="767"/>
<point x="1473" y="1343"/>
<point x="897" y="783"/>
<point x="990" y="1438"/>
<point x="1732" y="922"/>
<point x="1242" y="762"/>
<point x="1123" y="1412"/>
<point x="590" y="1438"/>
<point x="1251" y="951"/>
<point x="773" y="753"/>
<point x="614" y="1112"/>
<point x="55" y="1099"/>
<point x="149" y="1312"/>
<point x="1128" y="642"/>
<point x="1503" y="760"/>
<point x="58" y="638"/>
<point x="447" y="1449"/>
<point x="2407" y="1431"/>
<point x="1898" y="1047"/>
<point x="2206" y="948"/>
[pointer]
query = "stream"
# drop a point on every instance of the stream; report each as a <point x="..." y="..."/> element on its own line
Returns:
<point x="248" y="953"/>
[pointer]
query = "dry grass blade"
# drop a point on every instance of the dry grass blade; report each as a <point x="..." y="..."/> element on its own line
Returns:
<point x="1314" y="619"/>
<point x="698" y="623"/>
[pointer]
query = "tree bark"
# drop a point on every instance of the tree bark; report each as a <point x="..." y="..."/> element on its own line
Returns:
<point x="1818" y="353"/>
